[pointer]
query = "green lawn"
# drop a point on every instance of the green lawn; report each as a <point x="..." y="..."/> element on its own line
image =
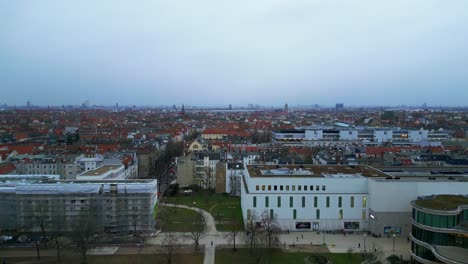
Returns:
<point x="115" y="259"/>
<point x="223" y="207"/>
<point x="179" y="219"/>
<point x="278" y="256"/>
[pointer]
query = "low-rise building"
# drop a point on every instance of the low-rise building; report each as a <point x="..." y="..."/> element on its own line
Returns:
<point x="338" y="197"/>
<point x="29" y="201"/>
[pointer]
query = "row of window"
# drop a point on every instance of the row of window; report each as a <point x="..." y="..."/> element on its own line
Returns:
<point x="315" y="200"/>
<point x="439" y="221"/>
<point x="289" y="187"/>
<point x="439" y="239"/>
<point x="317" y="214"/>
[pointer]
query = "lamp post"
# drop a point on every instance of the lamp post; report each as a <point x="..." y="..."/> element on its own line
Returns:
<point x="393" y="242"/>
<point x="364" y="241"/>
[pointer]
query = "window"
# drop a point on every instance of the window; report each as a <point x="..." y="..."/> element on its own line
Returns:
<point x="269" y="187"/>
<point x="279" y="201"/>
<point x="291" y="201"/>
<point x="281" y="187"/>
<point x="294" y="214"/>
<point x="340" y="201"/>
<point x="352" y="202"/>
<point x="267" y="202"/>
<point x="287" y="187"/>
<point x="275" y="187"/>
<point x="305" y="187"/>
<point x="73" y="201"/>
<point x="328" y="201"/>
<point x="303" y="201"/>
<point x="364" y="201"/>
<point x="255" y="201"/>
<point x="323" y="187"/>
<point x="317" y="188"/>
<point x="257" y="188"/>
<point x="311" y="187"/>
<point x="340" y="214"/>
<point x="364" y="214"/>
<point x="299" y="188"/>
<point x="293" y="187"/>
<point x="263" y="187"/>
<point x="317" y="213"/>
<point x="315" y="201"/>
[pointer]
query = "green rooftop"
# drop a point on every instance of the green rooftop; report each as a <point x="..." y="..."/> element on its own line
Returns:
<point x="443" y="202"/>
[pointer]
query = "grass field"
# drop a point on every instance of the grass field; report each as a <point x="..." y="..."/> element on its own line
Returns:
<point x="280" y="257"/>
<point x="179" y="219"/>
<point x="115" y="259"/>
<point x="223" y="207"/>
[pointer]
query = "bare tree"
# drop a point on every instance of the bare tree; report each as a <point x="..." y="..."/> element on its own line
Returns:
<point x="84" y="230"/>
<point x="171" y="244"/>
<point x="251" y="231"/>
<point x="270" y="228"/>
<point x="41" y="216"/>
<point x="233" y="232"/>
<point x="198" y="230"/>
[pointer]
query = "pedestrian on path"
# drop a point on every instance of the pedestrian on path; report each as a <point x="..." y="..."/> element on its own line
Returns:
<point x="302" y="236"/>
<point x="359" y="245"/>
<point x="211" y="243"/>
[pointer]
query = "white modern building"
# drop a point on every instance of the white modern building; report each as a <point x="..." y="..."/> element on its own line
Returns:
<point x="326" y="136"/>
<point x="337" y="197"/>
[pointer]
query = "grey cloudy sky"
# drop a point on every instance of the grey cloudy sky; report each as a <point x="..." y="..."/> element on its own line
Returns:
<point x="211" y="52"/>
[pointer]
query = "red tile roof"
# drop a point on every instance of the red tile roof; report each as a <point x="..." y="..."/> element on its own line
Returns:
<point x="7" y="168"/>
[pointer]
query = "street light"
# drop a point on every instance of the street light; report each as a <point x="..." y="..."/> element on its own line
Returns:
<point x="364" y="241"/>
<point x="393" y="242"/>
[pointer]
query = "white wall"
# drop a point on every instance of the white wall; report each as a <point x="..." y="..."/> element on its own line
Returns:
<point x="314" y="134"/>
<point x="396" y="195"/>
<point x="348" y="134"/>
<point x="418" y="135"/>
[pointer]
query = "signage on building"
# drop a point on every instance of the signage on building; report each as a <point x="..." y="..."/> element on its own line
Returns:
<point x="389" y="230"/>
<point x="302" y="225"/>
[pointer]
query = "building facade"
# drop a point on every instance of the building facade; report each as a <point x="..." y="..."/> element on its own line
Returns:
<point x="338" y="197"/>
<point x="440" y="229"/>
<point x="29" y="201"/>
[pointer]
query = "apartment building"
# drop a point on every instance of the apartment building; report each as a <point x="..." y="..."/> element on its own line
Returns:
<point x="326" y="136"/>
<point x="115" y="206"/>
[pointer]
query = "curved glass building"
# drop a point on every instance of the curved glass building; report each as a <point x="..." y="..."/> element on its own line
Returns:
<point x="440" y="229"/>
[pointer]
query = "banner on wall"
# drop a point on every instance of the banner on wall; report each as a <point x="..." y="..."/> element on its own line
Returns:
<point x="389" y="230"/>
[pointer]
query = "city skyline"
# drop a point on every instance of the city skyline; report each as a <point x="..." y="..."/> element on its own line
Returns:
<point x="210" y="53"/>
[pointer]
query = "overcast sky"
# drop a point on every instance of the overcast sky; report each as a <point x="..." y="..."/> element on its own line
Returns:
<point x="212" y="52"/>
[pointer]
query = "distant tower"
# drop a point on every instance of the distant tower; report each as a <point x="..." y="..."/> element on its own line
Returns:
<point x="183" y="109"/>
<point x="28" y="104"/>
<point x="174" y="107"/>
<point x="230" y="106"/>
<point x="286" y="108"/>
<point x="339" y="107"/>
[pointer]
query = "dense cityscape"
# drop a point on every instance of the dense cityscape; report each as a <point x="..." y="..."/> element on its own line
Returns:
<point x="234" y="132"/>
<point x="292" y="178"/>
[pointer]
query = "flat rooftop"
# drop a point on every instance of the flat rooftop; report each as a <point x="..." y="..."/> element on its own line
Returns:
<point x="313" y="171"/>
<point x="101" y="170"/>
<point x="442" y="202"/>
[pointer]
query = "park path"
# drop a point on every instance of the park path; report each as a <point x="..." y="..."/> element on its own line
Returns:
<point x="210" y="249"/>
